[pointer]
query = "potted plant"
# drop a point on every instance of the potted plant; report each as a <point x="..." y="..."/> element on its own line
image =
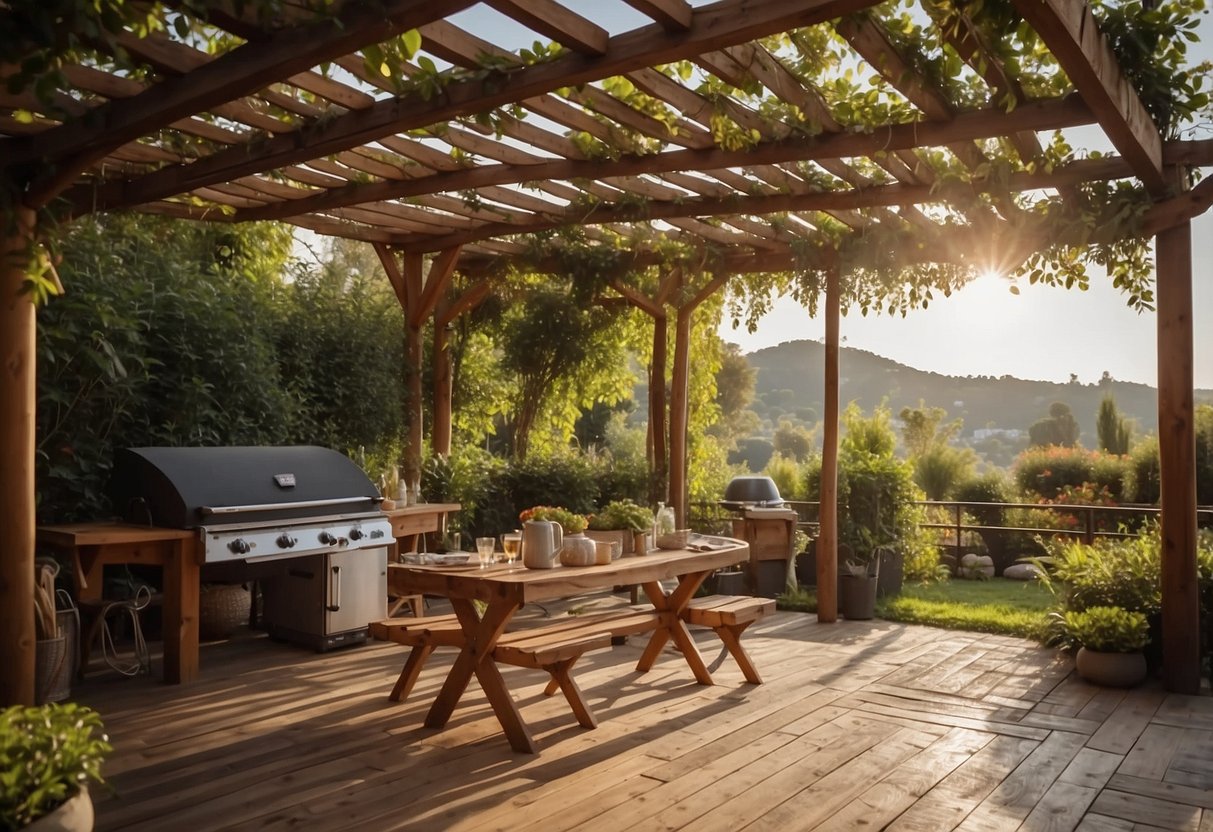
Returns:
<point x="1112" y="640"/>
<point x="620" y="521"/>
<point x="48" y="755"/>
<point x="570" y="521"/>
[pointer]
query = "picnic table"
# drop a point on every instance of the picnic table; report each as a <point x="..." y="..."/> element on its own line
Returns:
<point x="506" y="588"/>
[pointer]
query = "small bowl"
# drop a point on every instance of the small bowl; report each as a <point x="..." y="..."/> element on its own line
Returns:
<point x="673" y="540"/>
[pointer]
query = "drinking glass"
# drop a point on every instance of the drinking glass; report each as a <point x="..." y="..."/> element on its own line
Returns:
<point x="511" y="542"/>
<point x="484" y="548"/>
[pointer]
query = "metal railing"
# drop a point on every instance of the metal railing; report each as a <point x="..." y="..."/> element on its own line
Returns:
<point x="1094" y="521"/>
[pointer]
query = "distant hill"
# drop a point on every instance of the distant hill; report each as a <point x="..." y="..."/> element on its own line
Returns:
<point x="791" y="378"/>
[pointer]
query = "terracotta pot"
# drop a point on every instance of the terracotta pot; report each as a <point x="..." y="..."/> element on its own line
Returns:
<point x="76" y="815"/>
<point x="1113" y="670"/>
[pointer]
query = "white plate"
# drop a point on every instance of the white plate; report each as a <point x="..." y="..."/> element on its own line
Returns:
<point x="450" y="559"/>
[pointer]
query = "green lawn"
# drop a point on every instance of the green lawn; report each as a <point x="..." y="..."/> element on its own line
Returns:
<point x="1016" y="608"/>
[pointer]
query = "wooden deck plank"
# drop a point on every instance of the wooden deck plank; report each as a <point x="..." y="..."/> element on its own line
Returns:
<point x="1015" y="797"/>
<point x="1149" y="810"/>
<point x="859" y="726"/>
<point x="1121" y="730"/>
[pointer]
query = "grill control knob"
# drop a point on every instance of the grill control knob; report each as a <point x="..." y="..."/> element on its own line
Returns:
<point x="356" y="534"/>
<point x="327" y="539"/>
<point x="285" y="541"/>
<point x="240" y="546"/>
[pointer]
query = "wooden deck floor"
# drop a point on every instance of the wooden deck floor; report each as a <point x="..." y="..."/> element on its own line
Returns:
<point x="859" y="726"/>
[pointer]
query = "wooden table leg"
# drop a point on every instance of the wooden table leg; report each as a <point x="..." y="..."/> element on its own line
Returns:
<point x="181" y="589"/>
<point x="476" y="657"/>
<point x="670" y="608"/>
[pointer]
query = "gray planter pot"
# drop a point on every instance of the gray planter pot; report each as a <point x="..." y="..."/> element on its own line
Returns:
<point x="1113" y="670"/>
<point x="857" y="597"/>
<point x="76" y="815"/>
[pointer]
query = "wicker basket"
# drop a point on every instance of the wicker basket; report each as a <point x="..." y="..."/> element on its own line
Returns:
<point x="56" y="660"/>
<point x="222" y="609"/>
<point x="673" y="540"/>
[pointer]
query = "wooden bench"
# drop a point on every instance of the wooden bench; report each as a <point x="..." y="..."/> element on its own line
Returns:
<point x="553" y="647"/>
<point x="729" y="615"/>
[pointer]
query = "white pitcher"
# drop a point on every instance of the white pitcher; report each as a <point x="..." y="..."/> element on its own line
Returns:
<point x="541" y="543"/>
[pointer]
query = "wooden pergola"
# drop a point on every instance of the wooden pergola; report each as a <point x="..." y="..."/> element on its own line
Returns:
<point x="712" y="126"/>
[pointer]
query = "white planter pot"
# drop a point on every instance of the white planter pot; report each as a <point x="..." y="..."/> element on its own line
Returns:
<point x="76" y="815"/>
<point x="1113" y="670"/>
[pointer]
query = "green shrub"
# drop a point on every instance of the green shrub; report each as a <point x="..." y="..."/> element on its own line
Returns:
<point x="570" y="521"/>
<point x="1111" y="572"/>
<point x="622" y="514"/>
<point x="1145" y="471"/>
<point x="876" y="494"/>
<point x="1108" y="629"/>
<point x="991" y="487"/>
<point x="47" y="754"/>
<point x="1045" y="471"/>
<point x="940" y="469"/>
<point x="1113" y="474"/>
<point x="785" y="471"/>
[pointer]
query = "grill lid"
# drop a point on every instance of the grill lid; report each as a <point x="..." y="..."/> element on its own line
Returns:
<point x="186" y="487"/>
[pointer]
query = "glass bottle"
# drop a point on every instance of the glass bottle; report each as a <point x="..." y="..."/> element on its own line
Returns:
<point x="664" y="523"/>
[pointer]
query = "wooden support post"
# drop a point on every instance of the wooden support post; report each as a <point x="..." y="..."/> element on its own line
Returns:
<point x="440" y="435"/>
<point x="657" y="423"/>
<point x="17" y="394"/>
<point x="679" y="396"/>
<point x="827" y="540"/>
<point x="1177" y="459"/>
<point x="414" y="407"/>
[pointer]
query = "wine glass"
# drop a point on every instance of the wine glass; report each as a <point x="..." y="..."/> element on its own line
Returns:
<point x="484" y="548"/>
<point x="511" y="542"/>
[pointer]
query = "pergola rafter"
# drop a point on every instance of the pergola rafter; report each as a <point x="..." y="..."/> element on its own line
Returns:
<point x="713" y="126"/>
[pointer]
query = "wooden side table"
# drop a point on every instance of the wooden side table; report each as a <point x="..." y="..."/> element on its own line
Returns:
<point x="92" y="546"/>
<point x="409" y="523"/>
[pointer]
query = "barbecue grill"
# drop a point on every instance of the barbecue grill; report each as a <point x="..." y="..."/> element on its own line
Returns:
<point x="309" y="508"/>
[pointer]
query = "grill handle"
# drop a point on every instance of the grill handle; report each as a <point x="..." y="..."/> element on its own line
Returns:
<point x="338" y="501"/>
<point x="335" y="587"/>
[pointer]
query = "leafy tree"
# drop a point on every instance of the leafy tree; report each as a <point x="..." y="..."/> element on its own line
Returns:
<point x="793" y="441"/>
<point x="1114" y="430"/>
<point x="1058" y="428"/>
<point x="923" y="427"/>
<point x="165" y="337"/>
<point x="735" y="381"/>
<point x="562" y="353"/>
<point x="940" y="469"/>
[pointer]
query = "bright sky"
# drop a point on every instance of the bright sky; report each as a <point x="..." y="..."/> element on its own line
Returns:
<point x="1041" y="333"/>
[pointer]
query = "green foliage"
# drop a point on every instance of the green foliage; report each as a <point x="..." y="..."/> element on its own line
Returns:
<point x="1111" y="572"/>
<point x="1058" y="428"/>
<point x="876" y="494"/>
<point x="1113" y="429"/>
<point x="623" y="514"/>
<point x="1044" y="471"/>
<point x="564" y="354"/>
<point x="1145" y="471"/>
<point x="165" y="338"/>
<point x="1108" y="629"/>
<point x="785" y="472"/>
<point x="940" y="469"/>
<point x="47" y="753"/>
<point x="990" y="487"/>
<point x="340" y="354"/>
<point x="922" y="428"/>
<point x="793" y="441"/>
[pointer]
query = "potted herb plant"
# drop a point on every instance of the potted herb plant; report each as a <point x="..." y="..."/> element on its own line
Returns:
<point x="1112" y="640"/>
<point x="620" y="521"/>
<point x="48" y="756"/>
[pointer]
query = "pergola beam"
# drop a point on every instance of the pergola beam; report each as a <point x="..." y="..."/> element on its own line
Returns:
<point x="72" y="147"/>
<point x="1044" y="115"/>
<point x="712" y="27"/>
<point x="1069" y="29"/>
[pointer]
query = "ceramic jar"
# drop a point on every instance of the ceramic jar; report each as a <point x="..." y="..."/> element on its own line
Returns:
<point x="579" y="550"/>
